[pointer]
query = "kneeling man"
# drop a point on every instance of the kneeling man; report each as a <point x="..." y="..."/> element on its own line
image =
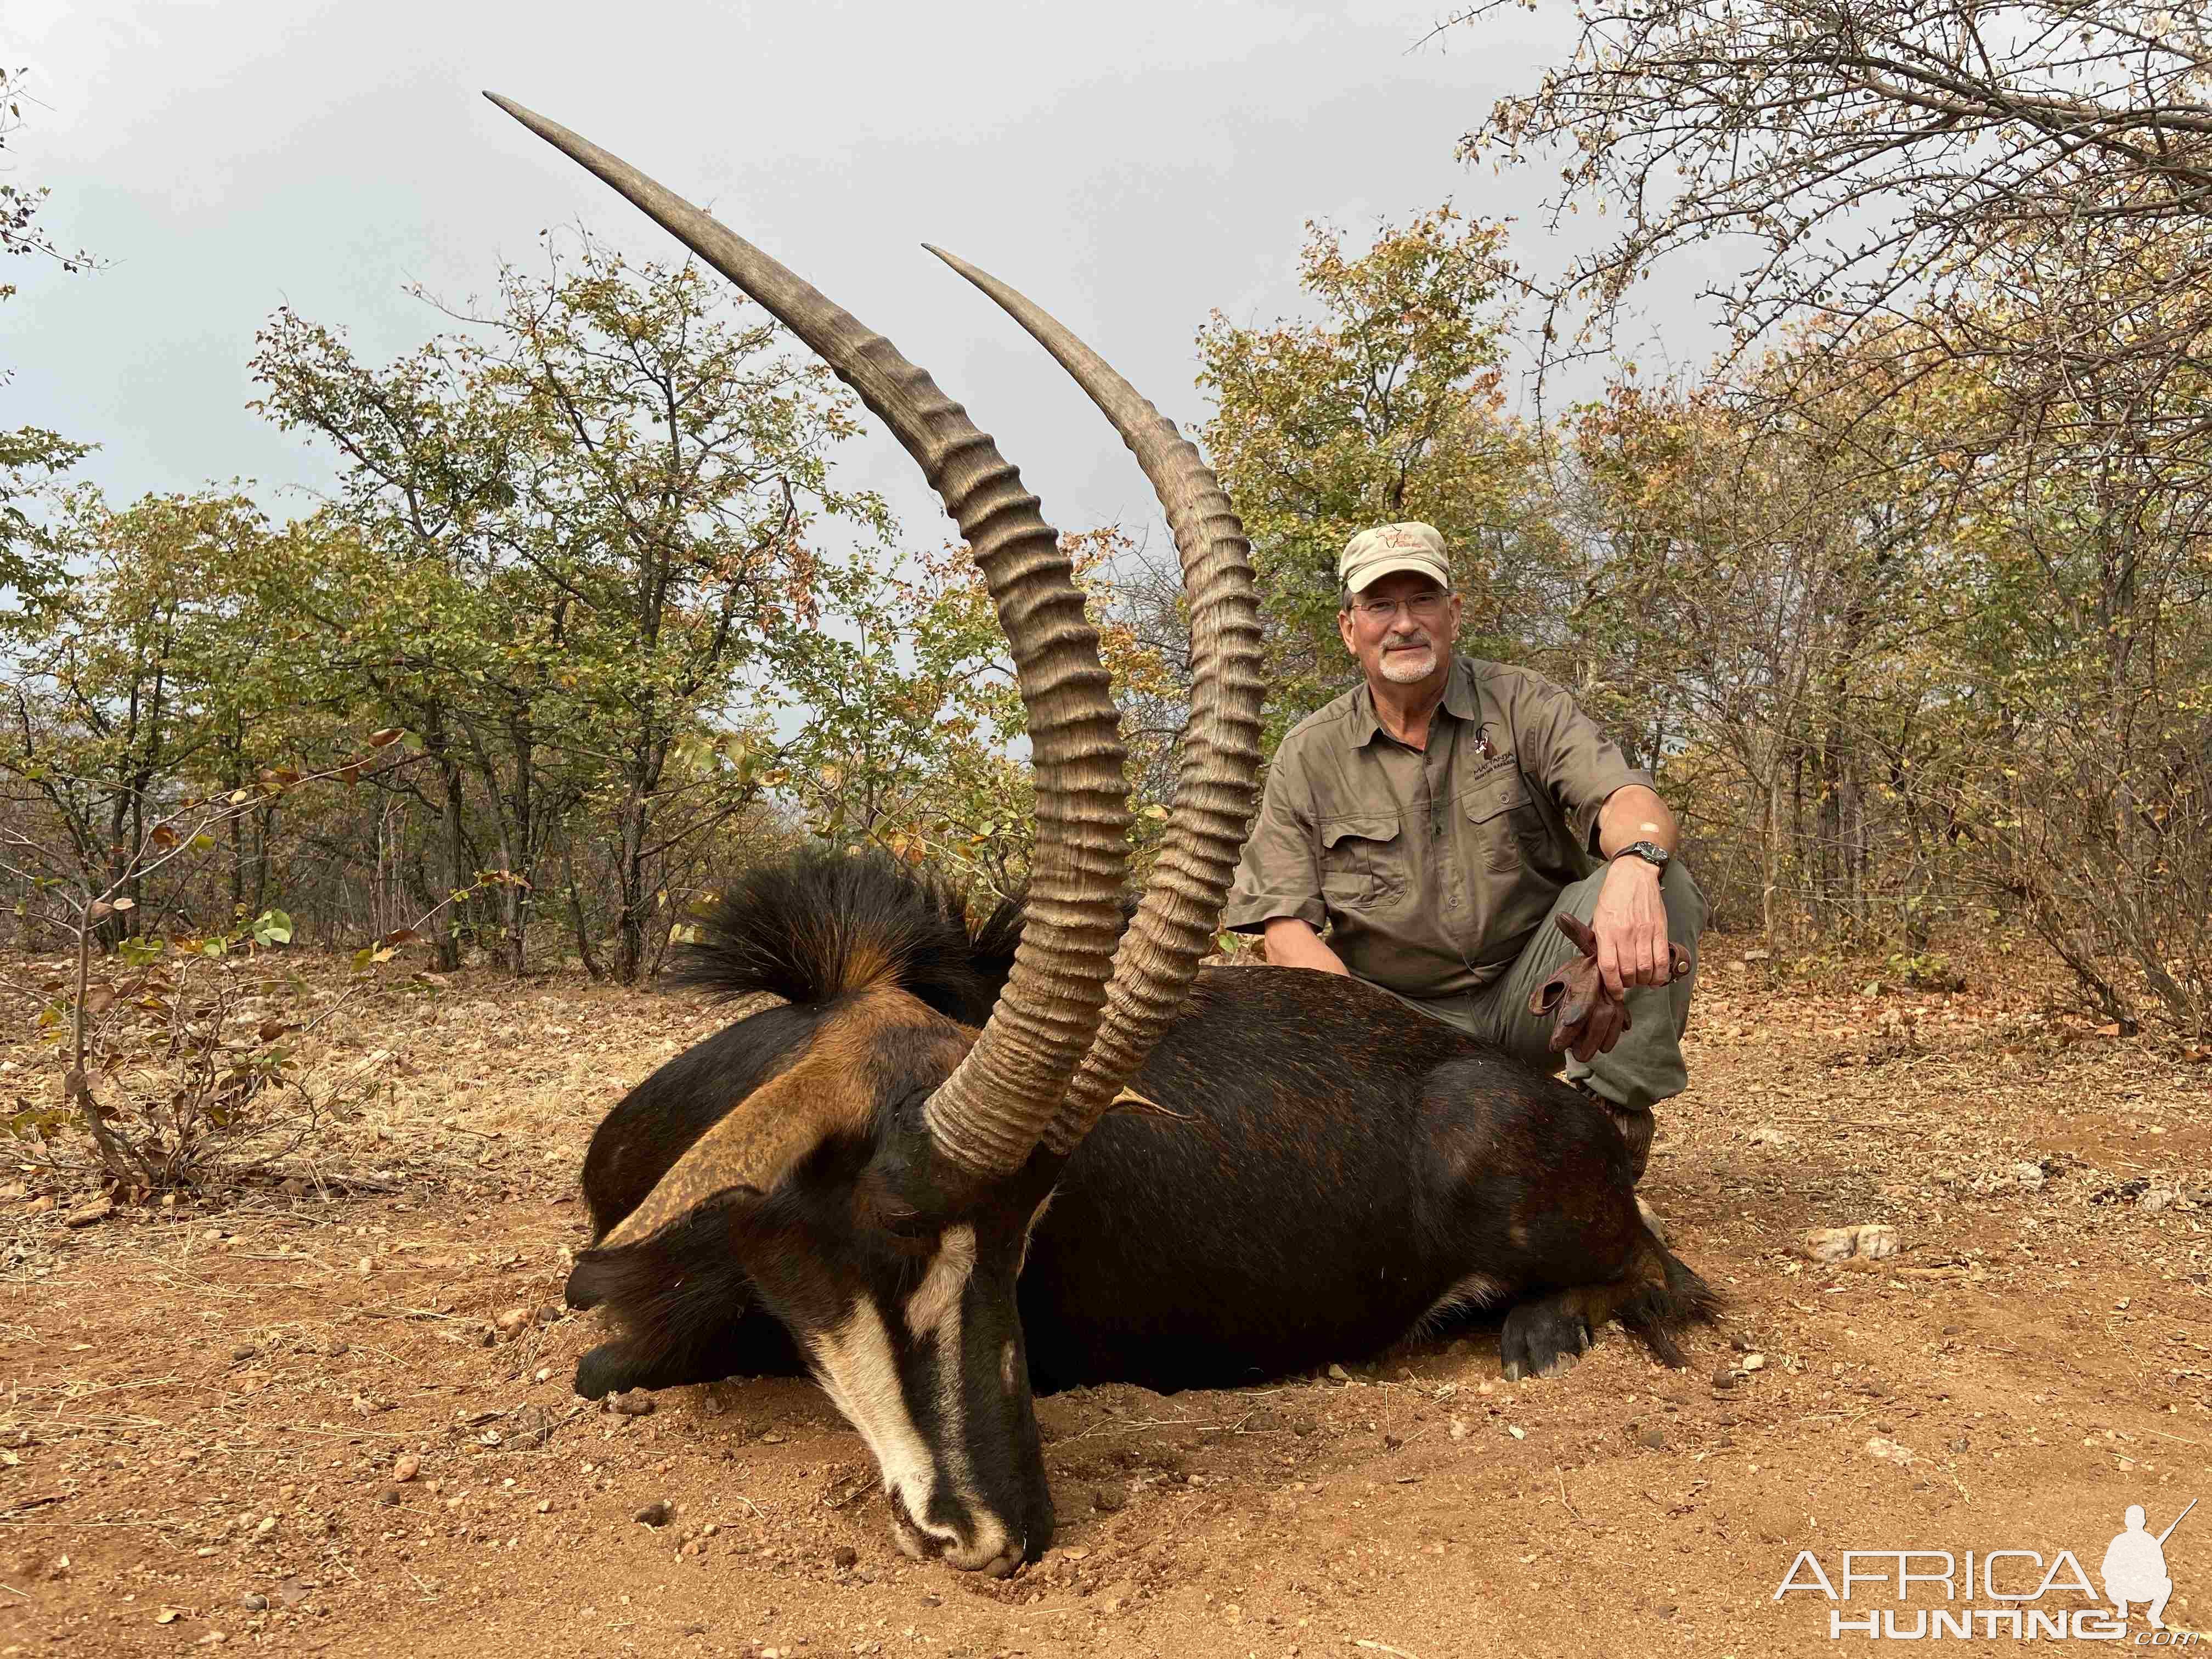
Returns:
<point x="1435" y="819"/>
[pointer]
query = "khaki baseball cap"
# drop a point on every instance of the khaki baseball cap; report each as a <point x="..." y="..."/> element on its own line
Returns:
<point x="1387" y="549"/>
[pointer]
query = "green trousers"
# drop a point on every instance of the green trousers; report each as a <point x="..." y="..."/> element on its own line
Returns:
<point x="1645" y="1066"/>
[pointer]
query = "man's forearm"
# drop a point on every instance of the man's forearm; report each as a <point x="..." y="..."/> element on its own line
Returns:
<point x="1291" y="943"/>
<point x="1632" y="813"/>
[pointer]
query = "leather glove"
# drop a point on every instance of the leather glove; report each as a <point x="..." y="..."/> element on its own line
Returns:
<point x="1586" y="1018"/>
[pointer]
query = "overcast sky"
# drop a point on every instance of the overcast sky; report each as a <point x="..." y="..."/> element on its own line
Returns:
<point x="1131" y="168"/>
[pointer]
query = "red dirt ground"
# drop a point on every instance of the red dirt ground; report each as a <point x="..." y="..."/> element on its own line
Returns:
<point x="206" y="1408"/>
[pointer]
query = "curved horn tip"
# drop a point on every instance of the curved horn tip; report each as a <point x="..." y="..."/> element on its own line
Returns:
<point x="982" y="279"/>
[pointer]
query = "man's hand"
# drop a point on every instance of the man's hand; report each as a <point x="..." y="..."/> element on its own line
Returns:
<point x="1630" y="925"/>
<point x="1291" y="943"/>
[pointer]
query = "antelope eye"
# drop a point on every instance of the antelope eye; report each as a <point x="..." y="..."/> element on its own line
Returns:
<point x="903" y="1224"/>
<point x="910" y="1226"/>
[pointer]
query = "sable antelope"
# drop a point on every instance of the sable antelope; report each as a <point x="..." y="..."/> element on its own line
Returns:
<point x="901" y="1179"/>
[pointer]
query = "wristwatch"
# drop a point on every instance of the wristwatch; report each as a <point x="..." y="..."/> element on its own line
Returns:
<point x="1650" y="851"/>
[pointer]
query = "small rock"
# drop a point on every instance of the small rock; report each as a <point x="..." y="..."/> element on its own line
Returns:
<point x="388" y="1494"/>
<point x="1652" y="1438"/>
<point x="550" y="1314"/>
<point x="90" y="1214"/>
<point x="406" y="1467"/>
<point x="637" y="1402"/>
<point x="1109" y="1500"/>
<point x="1460" y="1431"/>
<point x="658" y="1513"/>
<point x="1877" y="1242"/>
<point x="2028" y="1175"/>
<point x="1887" y="1451"/>
<point x="843" y="1557"/>
<point x="513" y="1319"/>
<point x="1869" y="1242"/>
<point x="1766" y="1135"/>
<point x="265" y="1526"/>
<point x="1724" y="1379"/>
<point x="2157" y="1199"/>
<point x="1754" y="1361"/>
<point x="243" y="1351"/>
<point x="771" y="1439"/>
<point x="1829" y="1243"/>
<point x="1338" y="1374"/>
<point x="253" y="1603"/>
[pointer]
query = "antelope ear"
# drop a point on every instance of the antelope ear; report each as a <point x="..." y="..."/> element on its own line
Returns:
<point x="754" y="1147"/>
<point x="1130" y="1101"/>
<point x="634" y="1271"/>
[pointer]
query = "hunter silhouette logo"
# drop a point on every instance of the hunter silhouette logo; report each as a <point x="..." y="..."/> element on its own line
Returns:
<point x="2135" y="1567"/>
<point x="2022" y="1593"/>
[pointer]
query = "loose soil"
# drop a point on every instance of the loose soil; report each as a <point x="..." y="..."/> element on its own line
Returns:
<point x="338" y="1420"/>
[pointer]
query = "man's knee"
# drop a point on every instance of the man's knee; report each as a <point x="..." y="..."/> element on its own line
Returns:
<point x="1686" y="906"/>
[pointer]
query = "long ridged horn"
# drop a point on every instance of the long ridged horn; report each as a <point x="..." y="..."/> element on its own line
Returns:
<point x="1218" y="782"/>
<point x="988" y="1115"/>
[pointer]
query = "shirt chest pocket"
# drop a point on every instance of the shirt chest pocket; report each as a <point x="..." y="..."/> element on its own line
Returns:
<point x="1504" y="829"/>
<point x="1362" y="862"/>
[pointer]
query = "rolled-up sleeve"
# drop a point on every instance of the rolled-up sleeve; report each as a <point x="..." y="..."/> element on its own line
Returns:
<point x="1279" y="874"/>
<point x="1578" y="765"/>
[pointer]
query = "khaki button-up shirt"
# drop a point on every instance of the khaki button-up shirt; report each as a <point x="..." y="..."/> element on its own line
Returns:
<point x="1431" y="868"/>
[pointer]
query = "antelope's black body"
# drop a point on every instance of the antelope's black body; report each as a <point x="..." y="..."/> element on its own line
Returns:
<point x="1312" y="1172"/>
<point x="1346" y="1169"/>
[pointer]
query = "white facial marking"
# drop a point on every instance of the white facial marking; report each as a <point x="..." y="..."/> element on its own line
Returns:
<point x="1029" y="1231"/>
<point x="937" y="1299"/>
<point x="855" y="1367"/>
<point x="859" y="1371"/>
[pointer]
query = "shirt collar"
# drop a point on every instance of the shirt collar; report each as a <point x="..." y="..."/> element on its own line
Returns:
<point x="1461" y="702"/>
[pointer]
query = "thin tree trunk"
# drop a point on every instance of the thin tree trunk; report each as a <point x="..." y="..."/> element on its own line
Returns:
<point x="577" y="919"/>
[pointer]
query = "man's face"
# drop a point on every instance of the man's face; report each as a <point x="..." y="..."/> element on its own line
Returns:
<point x="1400" y="626"/>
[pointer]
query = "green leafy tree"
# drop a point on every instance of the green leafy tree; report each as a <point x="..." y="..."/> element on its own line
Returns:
<point x="913" y="718"/>
<point x="126" y="681"/>
<point x="30" y="455"/>
<point x="1390" y="407"/>
<point x="582" y="522"/>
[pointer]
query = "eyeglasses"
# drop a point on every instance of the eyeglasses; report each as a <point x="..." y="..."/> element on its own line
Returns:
<point x="1422" y="607"/>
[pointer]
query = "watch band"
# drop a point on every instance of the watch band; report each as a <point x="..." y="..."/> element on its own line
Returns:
<point x="1650" y="851"/>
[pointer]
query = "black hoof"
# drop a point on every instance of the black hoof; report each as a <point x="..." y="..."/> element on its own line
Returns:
<point x="607" y="1369"/>
<point x="1542" y="1339"/>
